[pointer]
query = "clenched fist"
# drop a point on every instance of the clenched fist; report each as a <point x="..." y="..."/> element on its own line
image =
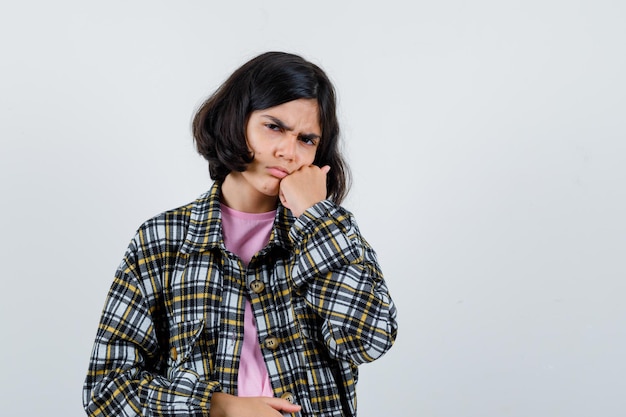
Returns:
<point x="303" y="188"/>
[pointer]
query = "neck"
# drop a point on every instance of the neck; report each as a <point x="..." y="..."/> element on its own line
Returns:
<point x="239" y="195"/>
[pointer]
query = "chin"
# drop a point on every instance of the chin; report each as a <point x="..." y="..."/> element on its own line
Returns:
<point x="272" y="194"/>
<point x="270" y="188"/>
<point x="270" y="191"/>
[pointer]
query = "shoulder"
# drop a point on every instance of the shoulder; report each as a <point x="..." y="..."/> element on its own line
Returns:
<point x="170" y="228"/>
<point x="169" y="222"/>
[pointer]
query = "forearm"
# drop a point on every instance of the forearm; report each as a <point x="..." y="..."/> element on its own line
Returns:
<point x="337" y="273"/>
<point x="136" y="392"/>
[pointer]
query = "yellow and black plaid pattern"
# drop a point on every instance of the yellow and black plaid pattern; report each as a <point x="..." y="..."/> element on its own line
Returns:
<point x="172" y="325"/>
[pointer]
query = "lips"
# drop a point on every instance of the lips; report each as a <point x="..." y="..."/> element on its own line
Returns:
<point x="278" y="172"/>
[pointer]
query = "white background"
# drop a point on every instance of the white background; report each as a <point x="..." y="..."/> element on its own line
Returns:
<point x="487" y="141"/>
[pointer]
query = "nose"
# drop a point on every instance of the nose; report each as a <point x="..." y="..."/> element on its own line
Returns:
<point x="287" y="147"/>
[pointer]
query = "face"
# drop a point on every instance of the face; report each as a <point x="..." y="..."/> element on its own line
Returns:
<point x="283" y="139"/>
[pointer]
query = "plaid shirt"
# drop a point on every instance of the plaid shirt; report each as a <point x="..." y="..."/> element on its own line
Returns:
<point x="172" y="326"/>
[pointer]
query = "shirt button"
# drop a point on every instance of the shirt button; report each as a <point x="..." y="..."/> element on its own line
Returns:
<point x="257" y="286"/>
<point x="289" y="397"/>
<point x="173" y="353"/>
<point x="271" y="343"/>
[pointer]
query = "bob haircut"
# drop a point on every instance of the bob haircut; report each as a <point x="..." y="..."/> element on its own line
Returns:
<point x="270" y="79"/>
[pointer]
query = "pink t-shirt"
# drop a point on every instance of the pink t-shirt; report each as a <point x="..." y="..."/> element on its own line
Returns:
<point x="244" y="235"/>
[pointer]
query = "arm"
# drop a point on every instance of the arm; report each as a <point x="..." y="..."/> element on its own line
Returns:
<point x="127" y="366"/>
<point x="337" y="271"/>
<point x="128" y="372"/>
<point x="341" y="281"/>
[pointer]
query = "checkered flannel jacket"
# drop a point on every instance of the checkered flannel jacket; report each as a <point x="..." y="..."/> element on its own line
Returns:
<point x="172" y="326"/>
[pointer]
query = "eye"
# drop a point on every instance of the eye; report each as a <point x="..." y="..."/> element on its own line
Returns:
<point x="309" y="140"/>
<point x="274" y="127"/>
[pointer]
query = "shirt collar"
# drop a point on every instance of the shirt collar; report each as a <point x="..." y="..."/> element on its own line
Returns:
<point x="205" y="225"/>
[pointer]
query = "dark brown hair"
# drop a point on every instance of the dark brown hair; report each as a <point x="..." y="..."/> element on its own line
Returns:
<point x="270" y="79"/>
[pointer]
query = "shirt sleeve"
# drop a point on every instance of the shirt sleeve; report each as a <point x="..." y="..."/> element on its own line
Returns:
<point x="126" y="375"/>
<point x="338" y="274"/>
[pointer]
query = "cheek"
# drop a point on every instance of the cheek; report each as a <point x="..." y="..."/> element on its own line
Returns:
<point x="307" y="157"/>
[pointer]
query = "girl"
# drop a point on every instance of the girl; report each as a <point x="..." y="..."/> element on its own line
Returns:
<point x="261" y="297"/>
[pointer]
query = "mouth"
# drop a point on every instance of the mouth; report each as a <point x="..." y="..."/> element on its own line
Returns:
<point x="278" y="172"/>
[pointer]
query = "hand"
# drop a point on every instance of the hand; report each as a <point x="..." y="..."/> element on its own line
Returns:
<point x="303" y="188"/>
<point x="226" y="405"/>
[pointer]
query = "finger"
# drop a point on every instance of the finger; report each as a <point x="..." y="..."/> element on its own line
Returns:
<point x="282" y="405"/>
<point x="283" y="200"/>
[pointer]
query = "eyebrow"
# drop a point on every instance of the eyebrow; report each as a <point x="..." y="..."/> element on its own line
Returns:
<point x="282" y="125"/>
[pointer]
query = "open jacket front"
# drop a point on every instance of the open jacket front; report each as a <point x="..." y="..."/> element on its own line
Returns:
<point x="172" y="326"/>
